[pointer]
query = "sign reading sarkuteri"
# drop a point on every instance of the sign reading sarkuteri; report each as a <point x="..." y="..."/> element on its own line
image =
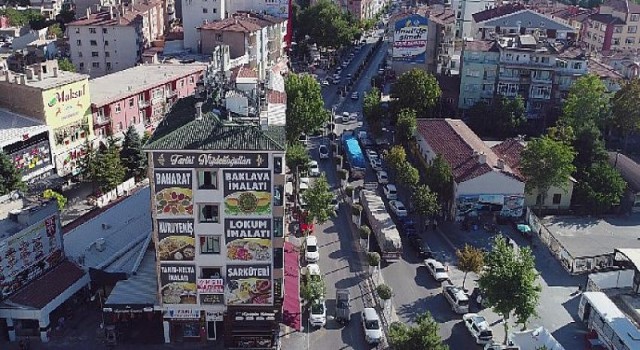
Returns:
<point x="410" y="40"/>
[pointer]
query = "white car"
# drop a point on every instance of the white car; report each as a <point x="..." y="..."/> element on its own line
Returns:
<point x="479" y="328"/>
<point x="311" y="253"/>
<point x="371" y="325"/>
<point x="353" y="116"/>
<point x="383" y="178"/>
<point x="436" y="269"/>
<point x="398" y="208"/>
<point x="335" y="204"/>
<point x="345" y="64"/>
<point x="498" y="346"/>
<point x="336" y="79"/>
<point x="304" y="184"/>
<point x="376" y="164"/>
<point x="371" y="154"/>
<point x="318" y="313"/>
<point x="325" y="83"/>
<point x="390" y="191"/>
<point x="314" y="168"/>
<point x="345" y="117"/>
<point x="323" y="152"/>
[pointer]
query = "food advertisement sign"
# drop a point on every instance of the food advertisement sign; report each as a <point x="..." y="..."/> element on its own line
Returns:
<point x="248" y="239"/>
<point x="178" y="284"/>
<point x="410" y="40"/>
<point x="210" y="160"/>
<point x="176" y="240"/>
<point x="249" y="285"/>
<point x="247" y="192"/>
<point x="174" y="194"/>
<point x="211" y="285"/>
<point x="67" y="103"/>
<point x="32" y="158"/>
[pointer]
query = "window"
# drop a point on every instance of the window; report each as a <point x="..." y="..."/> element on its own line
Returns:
<point x="218" y="37"/>
<point x="130" y="102"/>
<point x="632" y="29"/>
<point x="210" y="245"/>
<point x="205" y="10"/>
<point x="208" y="213"/>
<point x="79" y="53"/>
<point x="191" y="80"/>
<point x="634" y="17"/>
<point x="95" y="64"/>
<point x="92" y="30"/>
<point x="81" y="65"/>
<point x="133" y="120"/>
<point x="557" y="197"/>
<point x="278" y="227"/>
<point x="157" y="93"/>
<point x="278" y="258"/>
<point x="93" y="43"/>
<point x="539" y="199"/>
<point x="181" y="82"/>
<point x="630" y="41"/>
<point x="617" y="29"/>
<point x="207" y="180"/>
<point x="108" y="65"/>
<point x="118" y="109"/>
<point x="120" y="126"/>
<point x="106" y="43"/>
<point x="215" y="10"/>
<point x="211" y="272"/>
<point x="79" y="42"/>
<point x="107" y="54"/>
<point x="616" y="41"/>
<point x="94" y="54"/>
<point x="104" y="30"/>
<point x="577" y="65"/>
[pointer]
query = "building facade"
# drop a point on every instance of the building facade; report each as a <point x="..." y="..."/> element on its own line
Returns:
<point x="218" y="217"/>
<point x="613" y="28"/>
<point x="61" y="100"/>
<point x="114" y="39"/>
<point x="464" y="10"/>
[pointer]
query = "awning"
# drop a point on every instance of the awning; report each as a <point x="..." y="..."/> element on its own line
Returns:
<point x="137" y="292"/>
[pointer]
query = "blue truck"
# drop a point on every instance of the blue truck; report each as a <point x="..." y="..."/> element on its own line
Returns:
<point x="355" y="157"/>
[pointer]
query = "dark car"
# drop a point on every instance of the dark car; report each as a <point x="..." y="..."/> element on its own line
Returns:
<point x="343" y="306"/>
<point x="420" y="247"/>
<point x="407" y="226"/>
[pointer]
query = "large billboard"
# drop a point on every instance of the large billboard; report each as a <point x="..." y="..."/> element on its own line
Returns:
<point x="249" y="285"/>
<point x="248" y="240"/>
<point x="410" y="40"/>
<point x="178" y="284"/>
<point x="176" y="240"/>
<point x="247" y="192"/>
<point x="173" y="192"/>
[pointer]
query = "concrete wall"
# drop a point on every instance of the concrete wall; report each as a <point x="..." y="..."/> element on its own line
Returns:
<point x="607" y="280"/>
<point x="193" y="17"/>
<point x="120" y="42"/>
<point x="22" y="99"/>
<point x="236" y="41"/>
<point x="565" y="199"/>
<point x="490" y="183"/>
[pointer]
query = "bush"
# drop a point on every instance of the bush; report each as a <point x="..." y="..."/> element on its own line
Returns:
<point x="365" y="231"/>
<point x="349" y="191"/>
<point x="373" y="258"/>
<point x="384" y="292"/>
<point x="356" y="209"/>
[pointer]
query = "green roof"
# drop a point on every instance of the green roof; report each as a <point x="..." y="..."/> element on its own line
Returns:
<point x="181" y="131"/>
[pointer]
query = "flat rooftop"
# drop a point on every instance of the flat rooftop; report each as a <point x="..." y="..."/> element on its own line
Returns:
<point x="583" y="237"/>
<point x="14" y="126"/>
<point x="132" y="81"/>
<point x="8" y="227"/>
<point x="49" y="81"/>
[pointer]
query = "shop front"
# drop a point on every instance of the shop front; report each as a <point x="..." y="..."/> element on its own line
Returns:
<point x="252" y="327"/>
<point x="184" y="325"/>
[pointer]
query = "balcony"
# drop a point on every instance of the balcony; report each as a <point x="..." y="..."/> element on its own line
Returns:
<point x="101" y="120"/>
<point x="142" y="104"/>
<point x="238" y="61"/>
<point x="171" y="93"/>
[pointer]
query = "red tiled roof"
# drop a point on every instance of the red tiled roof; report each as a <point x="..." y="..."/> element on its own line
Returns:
<point x="43" y="290"/>
<point x="277" y="97"/>
<point x="104" y="18"/>
<point x="509" y="150"/>
<point x="497" y="12"/>
<point x="456" y="143"/>
<point x="243" y="72"/>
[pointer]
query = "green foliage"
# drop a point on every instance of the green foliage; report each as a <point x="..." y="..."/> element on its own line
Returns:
<point x="349" y="191"/>
<point x="508" y="282"/>
<point x="305" y="106"/>
<point x="66" y="65"/>
<point x="110" y="171"/>
<point x="425" y="202"/>
<point x="395" y="158"/>
<point x="356" y="209"/>
<point x="440" y="178"/>
<point x="373" y="258"/>
<point x="327" y="25"/>
<point x="562" y="133"/>
<point x="589" y="147"/>
<point x="470" y="259"/>
<point x="87" y="163"/>
<point x="503" y="118"/>
<point x="318" y="198"/>
<point x="588" y="102"/>
<point x="364" y="231"/>
<point x="600" y="187"/>
<point x="20" y="18"/>
<point x="312" y="288"/>
<point x="62" y="200"/>
<point x="56" y="30"/>
<point x="423" y="335"/>
<point x="545" y="163"/>
<point x="417" y="90"/>
<point x="406" y="126"/>
<point x="132" y="155"/>
<point x="10" y="176"/>
<point x="384" y="292"/>
<point x="408" y="175"/>
<point x="297" y="157"/>
<point x="626" y="109"/>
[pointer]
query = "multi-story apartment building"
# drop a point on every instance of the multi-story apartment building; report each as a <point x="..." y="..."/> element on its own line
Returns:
<point x="114" y="39"/>
<point x="258" y="37"/>
<point x="61" y="100"/>
<point x="139" y="96"/>
<point x="464" y="10"/>
<point x="614" y="27"/>
<point x="218" y="218"/>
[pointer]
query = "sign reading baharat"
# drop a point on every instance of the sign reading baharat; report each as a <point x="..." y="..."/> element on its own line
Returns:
<point x="210" y="160"/>
<point x="248" y="239"/>
<point x="178" y="284"/>
<point x="249" y="285"/>
<point x="247" y="192"/>
<point x="174" y="194"/>
<point x="176" y="240"/>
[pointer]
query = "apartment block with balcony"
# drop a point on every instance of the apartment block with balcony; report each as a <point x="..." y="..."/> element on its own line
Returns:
<point x="259" y="37"/>
<point x="615" y="27"/>
<point x="479" y="72"/>
<point x="115" y="38"/>
<point x="464" y="10"/>
<point x="515" y="19"/>
<point x="139" y="96"/>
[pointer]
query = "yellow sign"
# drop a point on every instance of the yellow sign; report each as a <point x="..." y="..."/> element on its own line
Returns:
<point x="68" y="104"/>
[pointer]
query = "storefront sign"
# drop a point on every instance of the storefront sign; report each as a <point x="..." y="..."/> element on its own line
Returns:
<point x="210" y="160"/>
<point x="214" y="316"/>
<point x="32" y="158"/>
<point x="248" y="239"/>
<point x="178" y="284"/>
<point x="182" y="314"/>
<point x="249" y="285"/>
<point x="247" y="192"/>
<point x="269" y="315"/>
<point x="176" y="240"/>
<point x="174" y="194"/>
<point x="410" y="39"/>
<point x="210" y="285"/>
<point x="211" y="299"/>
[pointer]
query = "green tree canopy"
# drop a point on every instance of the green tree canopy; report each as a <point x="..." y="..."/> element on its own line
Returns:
<point x="502" y="118"/>
<point x="132" y="155"/>
<point x="66" y="65"/>
<point x="600" y="187"/>
<point x="372" y="111"/>
<point x="425" y="202"/>
<point x="395" y="158"/>
<point x="470" y="259"/>
<point x="327" y="25"/>
<point x="588" y="102"/>
<point x="20" y="18"/>
<point x="546" y="162"/>
<point x="406" y="126"/>
<point x="508" y="282"/>
<point x="10" y="176"/>
<point x="56" y="30"/>
<point x="297" y="157"/>
<point x="109" y="169"/>
<point x="305" y="106"/>
<point x="423" y="335"/>
<point x="440" y="178"/>
<point x="626" y="109"/>
<point x="60" y="199"/>
<point x="417" y="90"/>
<point x="408" y="175"/>
<point x="318" y="198"/>
<point x="589" y="147"/>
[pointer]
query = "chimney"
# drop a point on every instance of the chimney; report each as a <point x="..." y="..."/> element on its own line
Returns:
<point x="110" y="12"/>
<point x="29" y="73"/>
<point x="198" y="110"/>
<point x="482" y="158"/>
<point x="55" y="72"/>
<point x="23" y="79"/>
<point x="88" y="12"/>
<point x="7" y="76"/>
<point x="39" y="74"/>
<point x="501" y="163"/>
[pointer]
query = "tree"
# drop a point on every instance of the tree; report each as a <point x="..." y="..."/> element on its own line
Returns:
<point x="470" y="259"/>
<point x="626" y="109"/>
<point x="408" y="175"/>
<point x="62" y="200"/>
<point x="417" y="90"/>
<point x="327" y="25"/>
<point x="425" y="202"/>
<point x="318" y="198"/>
<point x="503" y="118"/>
<point x="395" y="158"/>
<point x="372" y="110"/>
<point x="55" y="29"/>
<point x="508" y="282"/>
<point x="589" y="147"/>
<point x="66" y="65"/>
<point x="587" y="101"/>
<point x="88" y="162"/>
<point x="423" y="335"/>
<point x="132" y="155"/>
<point x="297" y="157"/>
<point x="384" y="292"/>
<point x="373" y="258"/>
<point x="406" y="126"/>
<point x="545" y="163"/>
<point x="313" y="288"/>
<point x="305" y="106"/>
<point x="110" y="172"/>
<point x="600" y="187"/>
<point x="10" y="176"/>
<point x="439" y="178"/>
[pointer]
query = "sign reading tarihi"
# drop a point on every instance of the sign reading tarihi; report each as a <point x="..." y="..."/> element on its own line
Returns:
<point x="210" y="160"/>
<point x="68" y="103"/>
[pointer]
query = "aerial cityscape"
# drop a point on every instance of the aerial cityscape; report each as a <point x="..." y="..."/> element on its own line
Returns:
<point x="320" y="174"/>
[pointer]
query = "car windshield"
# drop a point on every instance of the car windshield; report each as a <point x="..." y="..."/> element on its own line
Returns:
<point x="312" y="248"/>
<point x="440" y="270"/>
<point x="486" y="334"/>
<point x="400" y="207"/>
<point x="463" y="303"/>
<point x="372" y="324"/>
<point x="317" y="308"/>
<point x="342" y="304"/>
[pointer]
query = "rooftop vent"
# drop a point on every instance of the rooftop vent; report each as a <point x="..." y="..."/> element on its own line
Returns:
<point x="100" y="244"/>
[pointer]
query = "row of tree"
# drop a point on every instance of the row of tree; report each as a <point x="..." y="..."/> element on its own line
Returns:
<point x="325" y="24"/>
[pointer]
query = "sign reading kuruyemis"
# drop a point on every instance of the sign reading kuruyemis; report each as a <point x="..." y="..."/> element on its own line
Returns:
<point x="410" y="40"/>
<point x="249" y="285"/>
<point x="247" y="192"/>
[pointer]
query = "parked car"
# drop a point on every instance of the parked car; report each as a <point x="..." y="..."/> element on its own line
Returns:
<point x="498" y="346"/>
<point x="345" y="117"/>
<point x="371" y="154"/>
<point x="479" y="328"/>
<point x="457" y="298"/>
<point x="314" y="168"/>
<point x="362" y="134"/>
<point x="355" y="95"/>
<point x="407" y="226"/>
<point x="390" y="191"/>
<point x="323" y="152"/>
<point x="343" y="306"/>
<point x="311" y="253"/>
<point x="383" y="177"/>
<point x="353" y="116"/>
<point x="303" y="139"/>
<point x="371" y="325"/>
<point x="318" y="313"/>
<point x="398" y="208"/>
<point x="336" y="79"/>
<point x="376" y="164"/>
<point x="436" y="269"/>
<point x="345" y="64"/>
<point x="421" y="248"/>
<point x="304" y="184"/>
<point x="325" y="83"/>
<point x="335" y="204"/>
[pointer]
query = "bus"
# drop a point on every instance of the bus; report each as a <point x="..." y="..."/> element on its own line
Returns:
<point x="612" y="326"/>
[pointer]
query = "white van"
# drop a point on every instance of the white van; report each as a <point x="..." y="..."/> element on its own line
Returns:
<point x="457" y="298"/>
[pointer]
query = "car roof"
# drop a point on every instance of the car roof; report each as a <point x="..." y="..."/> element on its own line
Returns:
<point x="391" y="186"/>
<point x="458" y="292"/>
<point x="382" y="172"/>
<point x="342" y="292"/>
<point x="370" y="313"/>
<point x="434" y="262"/>
<point x="313" y="269"/>
<point x="312" y="240"/>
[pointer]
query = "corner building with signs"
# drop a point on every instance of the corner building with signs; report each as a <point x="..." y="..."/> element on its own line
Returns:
<point x="218" y="219"/>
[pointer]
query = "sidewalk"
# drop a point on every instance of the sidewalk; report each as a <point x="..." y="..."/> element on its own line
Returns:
<point x="291" y="312"/>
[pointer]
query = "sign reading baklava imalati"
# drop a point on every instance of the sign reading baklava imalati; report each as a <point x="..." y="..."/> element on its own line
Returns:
<point x="210" y="160"/>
